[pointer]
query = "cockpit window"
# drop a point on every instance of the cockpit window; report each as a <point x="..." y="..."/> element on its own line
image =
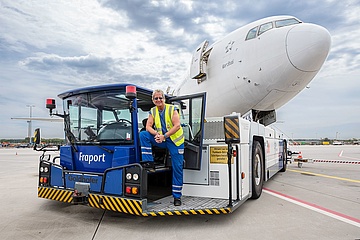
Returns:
<point x="265" y="27"/>
<point x="252" y="33"/>
<point x="286" y="22"/>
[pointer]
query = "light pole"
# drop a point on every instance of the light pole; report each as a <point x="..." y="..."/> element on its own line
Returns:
<point x="29" y="128"/>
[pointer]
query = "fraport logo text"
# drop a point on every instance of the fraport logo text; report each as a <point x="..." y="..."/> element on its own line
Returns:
<point x="91" y="158"/>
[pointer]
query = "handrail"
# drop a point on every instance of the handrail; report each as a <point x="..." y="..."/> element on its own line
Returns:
<point x="229" y="153"/>
<point x="116" y="168"/>
<point x="237" y="172"/>
<point x="237" y="165"/>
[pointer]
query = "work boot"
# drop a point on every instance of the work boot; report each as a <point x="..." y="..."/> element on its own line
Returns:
<point x="149" y="166"/>
<point x="177" y="201"/>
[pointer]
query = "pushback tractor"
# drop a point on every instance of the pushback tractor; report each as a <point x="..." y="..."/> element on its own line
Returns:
<point x="226" y="158"/>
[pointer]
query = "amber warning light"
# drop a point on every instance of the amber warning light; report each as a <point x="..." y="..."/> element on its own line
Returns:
<point x="50" y="104"/>
<point x="130" y="92"/>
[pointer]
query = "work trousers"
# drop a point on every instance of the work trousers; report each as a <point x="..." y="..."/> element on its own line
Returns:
<point x="147" y="140"/>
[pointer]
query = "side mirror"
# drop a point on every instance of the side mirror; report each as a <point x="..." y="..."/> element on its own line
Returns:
<point x="37" y="141"/>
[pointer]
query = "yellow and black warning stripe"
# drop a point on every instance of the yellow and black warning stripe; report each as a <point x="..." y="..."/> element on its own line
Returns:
<point x="135" y="207"/>
<point x="209" y="211"/>
<point x="123" y="205"/>
<point x="231" y="128"/>
<point x="116" y="204"/>
<point x="55" y="194"/>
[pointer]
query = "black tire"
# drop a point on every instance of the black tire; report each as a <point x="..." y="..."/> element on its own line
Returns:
<point x="257" y="170"/>
<point x="284" y="157"/>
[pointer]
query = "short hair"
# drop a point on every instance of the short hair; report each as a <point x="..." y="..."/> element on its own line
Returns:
<point x="158" y="91"/>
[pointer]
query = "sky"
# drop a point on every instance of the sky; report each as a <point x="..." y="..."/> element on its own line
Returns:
<point x="48" y="47"/>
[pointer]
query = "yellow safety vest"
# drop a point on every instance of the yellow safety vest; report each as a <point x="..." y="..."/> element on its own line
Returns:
<point x="178" y="136"/>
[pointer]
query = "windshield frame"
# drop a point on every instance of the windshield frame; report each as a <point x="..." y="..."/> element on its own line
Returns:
<point x="103" y="111"/>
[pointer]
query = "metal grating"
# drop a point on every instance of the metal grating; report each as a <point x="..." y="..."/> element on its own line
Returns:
<point x="214" y="130"/>
<point x="188" y="203"/>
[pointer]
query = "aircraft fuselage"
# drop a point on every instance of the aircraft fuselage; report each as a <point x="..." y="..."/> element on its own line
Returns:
<point x="255" y="69"/>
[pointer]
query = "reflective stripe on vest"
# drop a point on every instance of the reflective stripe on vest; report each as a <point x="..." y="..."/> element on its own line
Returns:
<point x="178" y="136"/>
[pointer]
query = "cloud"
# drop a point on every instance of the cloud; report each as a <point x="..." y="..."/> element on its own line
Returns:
<point x="89" y="66"/>
<point x="49" y="48"/>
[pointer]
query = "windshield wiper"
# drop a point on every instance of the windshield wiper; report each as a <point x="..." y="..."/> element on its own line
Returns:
<point x="69" y="135"/>
<point x="97" y="144"/>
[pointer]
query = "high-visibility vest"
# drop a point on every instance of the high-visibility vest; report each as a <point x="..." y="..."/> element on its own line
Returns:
<point x="178" y="136"/>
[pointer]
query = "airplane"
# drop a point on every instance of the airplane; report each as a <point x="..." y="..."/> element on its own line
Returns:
<point x="257" y="68"/>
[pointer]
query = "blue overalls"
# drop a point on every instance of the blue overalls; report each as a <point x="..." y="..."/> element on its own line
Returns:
<point x="147" y="140"/>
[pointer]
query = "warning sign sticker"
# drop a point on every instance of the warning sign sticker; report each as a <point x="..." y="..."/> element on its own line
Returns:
<point x="218" y="154"/>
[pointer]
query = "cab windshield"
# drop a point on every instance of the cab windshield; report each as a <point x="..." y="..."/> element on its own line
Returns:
<point x="100" y="117"/>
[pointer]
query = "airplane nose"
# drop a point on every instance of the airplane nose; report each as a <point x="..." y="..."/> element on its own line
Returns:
<point x="308" y="46"/>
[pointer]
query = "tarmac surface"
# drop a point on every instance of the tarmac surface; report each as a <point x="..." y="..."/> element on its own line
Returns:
<point x="321" y="200"/>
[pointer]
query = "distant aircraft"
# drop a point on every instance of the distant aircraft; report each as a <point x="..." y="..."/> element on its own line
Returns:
<point x="257" y="68"/>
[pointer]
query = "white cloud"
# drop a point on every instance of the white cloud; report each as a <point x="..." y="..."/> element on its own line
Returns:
<point x="49" y="47"/>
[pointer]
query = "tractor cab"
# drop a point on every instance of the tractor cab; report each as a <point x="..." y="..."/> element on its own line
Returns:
<point x="102" y="126"/>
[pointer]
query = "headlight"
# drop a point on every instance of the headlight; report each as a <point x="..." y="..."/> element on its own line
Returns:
<point x="46" y="169"/>
<point x="41" y="169"/>
<point x="136" y="176"/>
<point x="128" y="176"/>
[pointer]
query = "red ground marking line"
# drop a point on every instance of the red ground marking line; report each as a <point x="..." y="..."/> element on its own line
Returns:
<point x="314" y="206"/>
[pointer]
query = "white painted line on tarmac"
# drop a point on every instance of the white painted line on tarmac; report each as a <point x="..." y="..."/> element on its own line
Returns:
<point x="336" y="215"/>
<point x="341" y="155"/>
